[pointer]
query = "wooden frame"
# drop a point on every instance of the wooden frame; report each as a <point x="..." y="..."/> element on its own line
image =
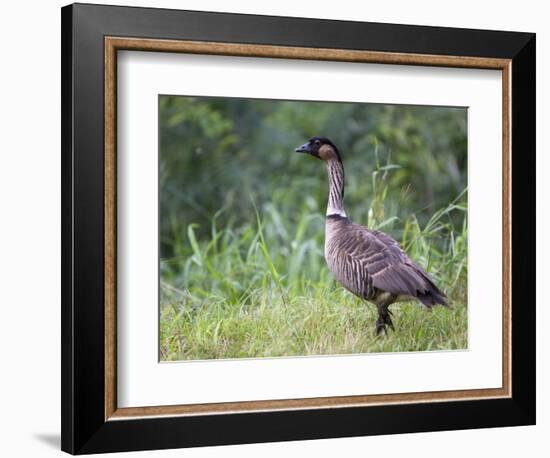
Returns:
<point x="109" y="428"/>
<point x="112" y="45"/>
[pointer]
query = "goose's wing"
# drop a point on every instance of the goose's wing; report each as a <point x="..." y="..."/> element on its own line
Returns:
<point x="390" y="269"/>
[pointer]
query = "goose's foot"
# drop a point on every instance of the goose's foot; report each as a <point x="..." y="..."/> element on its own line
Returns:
<point x="380" y="326"/>
<point x="384" y="320"/>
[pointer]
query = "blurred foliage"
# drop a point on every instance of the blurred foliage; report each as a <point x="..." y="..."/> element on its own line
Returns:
<point x="219" y="153"/>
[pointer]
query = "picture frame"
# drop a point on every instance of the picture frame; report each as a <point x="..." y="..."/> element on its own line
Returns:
<point x="92" y="35"/>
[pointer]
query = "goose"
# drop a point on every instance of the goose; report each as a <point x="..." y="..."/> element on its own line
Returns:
<point x="367" y="262"/>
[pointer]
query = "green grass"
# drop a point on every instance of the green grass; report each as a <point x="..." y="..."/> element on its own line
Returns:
<point x="326" y="322"/>
<point x="262" y="289"/>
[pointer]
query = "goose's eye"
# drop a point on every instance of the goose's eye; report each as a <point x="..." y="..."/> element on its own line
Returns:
<point x="317" y="142"/>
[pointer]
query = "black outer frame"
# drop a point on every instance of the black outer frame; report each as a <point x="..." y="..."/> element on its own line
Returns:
<point x="83" y="425"/>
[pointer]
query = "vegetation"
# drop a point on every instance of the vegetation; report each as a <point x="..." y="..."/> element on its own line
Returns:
<point x="242" y="225"/>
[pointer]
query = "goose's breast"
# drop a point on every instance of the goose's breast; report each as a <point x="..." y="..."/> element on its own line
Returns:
<point x="334" y="231"/>
<point x="346" y="269"/>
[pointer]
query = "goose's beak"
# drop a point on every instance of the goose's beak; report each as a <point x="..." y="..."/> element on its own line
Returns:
<point x="303" y="149"/>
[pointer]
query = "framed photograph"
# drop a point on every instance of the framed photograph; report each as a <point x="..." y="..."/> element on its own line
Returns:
<point x="281" y="228"/>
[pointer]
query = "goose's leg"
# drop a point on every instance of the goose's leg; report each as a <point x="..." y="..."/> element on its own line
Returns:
<point x="388" y="318"/>
<point x="384" y="316"/>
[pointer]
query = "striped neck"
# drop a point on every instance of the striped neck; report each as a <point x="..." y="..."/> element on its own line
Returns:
<point x="335" y="171"/>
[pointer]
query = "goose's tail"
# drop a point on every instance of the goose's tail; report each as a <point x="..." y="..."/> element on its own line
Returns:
<point x="431" y="295"/>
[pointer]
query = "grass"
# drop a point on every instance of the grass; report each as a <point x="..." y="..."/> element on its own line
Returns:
<point x="262" y="289"/>
<point x="326" y="323"/>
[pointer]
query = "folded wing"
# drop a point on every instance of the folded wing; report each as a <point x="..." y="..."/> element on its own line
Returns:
<point x="387" y="268"/>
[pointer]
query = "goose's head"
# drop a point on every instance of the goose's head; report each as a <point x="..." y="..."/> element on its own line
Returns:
<point x="321" y="148"/>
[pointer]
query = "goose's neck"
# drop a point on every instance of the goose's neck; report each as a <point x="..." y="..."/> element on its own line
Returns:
<point x="335" y="171"/>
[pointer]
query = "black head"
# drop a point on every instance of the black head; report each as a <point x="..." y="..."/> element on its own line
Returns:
<point x="320" y="147"/>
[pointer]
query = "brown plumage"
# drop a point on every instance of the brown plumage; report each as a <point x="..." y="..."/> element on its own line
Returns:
<point x="369" y="263"/>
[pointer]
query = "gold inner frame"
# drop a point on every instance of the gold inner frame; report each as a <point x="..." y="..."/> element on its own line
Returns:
<point x="114" y="44"/>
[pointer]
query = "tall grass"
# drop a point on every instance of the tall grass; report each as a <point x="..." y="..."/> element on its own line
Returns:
<point x="261" y="288"/>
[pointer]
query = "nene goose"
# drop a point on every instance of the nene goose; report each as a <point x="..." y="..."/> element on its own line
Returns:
<point x="367" y="262"/>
